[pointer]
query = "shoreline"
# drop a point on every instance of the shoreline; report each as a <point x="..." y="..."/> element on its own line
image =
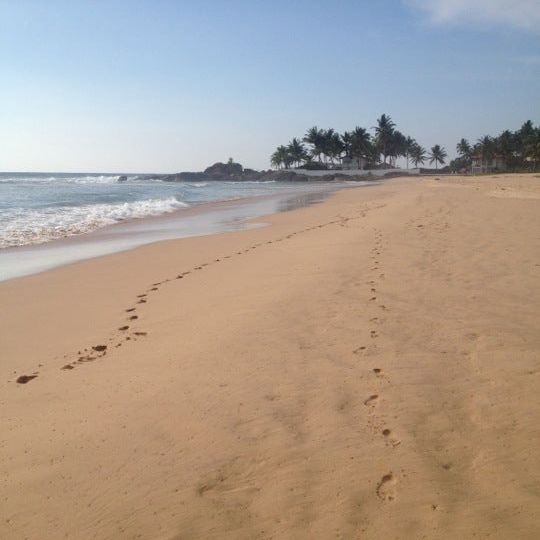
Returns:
<point x="365" y="367"/>
<point x="200" y="219"/>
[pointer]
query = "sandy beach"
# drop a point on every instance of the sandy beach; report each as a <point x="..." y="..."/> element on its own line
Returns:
<point x="363" y="368"/>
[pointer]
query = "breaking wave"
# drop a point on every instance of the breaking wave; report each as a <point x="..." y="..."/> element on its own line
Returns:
<point x="64" y="179"/>
<point x="21" y="226"/>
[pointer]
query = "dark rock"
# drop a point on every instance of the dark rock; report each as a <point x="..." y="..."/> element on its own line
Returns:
<point x="122" y="179"/>
<point x="234" y="172"/>
<point x="224" y="170"/>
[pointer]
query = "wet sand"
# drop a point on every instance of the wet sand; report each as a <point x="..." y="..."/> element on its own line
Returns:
<point x="364" y="368"/>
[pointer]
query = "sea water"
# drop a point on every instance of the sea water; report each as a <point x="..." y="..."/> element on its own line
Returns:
<point x="37" y="208"/>
<point x="41" y="213"/>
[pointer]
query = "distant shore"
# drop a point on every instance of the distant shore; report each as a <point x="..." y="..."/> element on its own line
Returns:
<point x="235" y="172"/>
<point x="363" y="368"/>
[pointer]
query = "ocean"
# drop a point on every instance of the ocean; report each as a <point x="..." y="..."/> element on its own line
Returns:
<point x="104" y="215"/>
<point x="38" y="208"/>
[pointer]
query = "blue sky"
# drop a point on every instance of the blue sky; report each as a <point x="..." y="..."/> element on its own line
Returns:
<point x="163" y="86"/>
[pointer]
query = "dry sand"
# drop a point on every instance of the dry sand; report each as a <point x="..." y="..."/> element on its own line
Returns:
<point x="365" y="368"/>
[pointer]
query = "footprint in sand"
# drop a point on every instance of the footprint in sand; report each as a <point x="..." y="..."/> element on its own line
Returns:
<point x="23" y="379"/>
<point x="133" y="317"/>
<point x="391" y="440"/>
<point x="371" y="400"/>
<point x="386" y="488"/>
<point x="130" y="310"/>
<point x="83" y="359"/>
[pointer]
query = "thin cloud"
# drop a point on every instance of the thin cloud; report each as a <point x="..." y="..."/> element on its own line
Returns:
<point x="520" y="14"/>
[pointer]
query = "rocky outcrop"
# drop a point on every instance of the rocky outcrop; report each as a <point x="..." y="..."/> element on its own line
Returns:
<point x="234" y="172"/>
<point x="224" y="170"/>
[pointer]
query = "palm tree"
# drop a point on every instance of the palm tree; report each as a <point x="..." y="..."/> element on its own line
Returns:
<point x="526" y="133"/>
<point x="417" y="154"/>
<point x="532" y="150"/>
<point x="346" y="140"/>
<point x="383" y="133"/>
<point x="297" y="151"/>
<point x="361" y="145"/>
<point x="331" y="144"/>
<point x="408" y="146"/>
<point x="506" y="146"/>
<point x="485" y="146"/>
<point x="315" y="137"/>
<point x="336" y="147"/>
<point x="280" y="158"/>
<point x="397" y="146"/>
<point x="438" y="155"/>
<point x="464" y="149"/>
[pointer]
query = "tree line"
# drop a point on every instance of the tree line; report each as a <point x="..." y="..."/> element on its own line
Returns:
<point x="520" y="149"/>
<point x="324" y="148"/>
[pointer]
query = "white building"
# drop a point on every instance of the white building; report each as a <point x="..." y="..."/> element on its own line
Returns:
<point x="348" y="163"/>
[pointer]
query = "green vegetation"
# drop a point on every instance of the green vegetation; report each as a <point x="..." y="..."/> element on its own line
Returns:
<point x="326" y="148"/>
<point x="517" y="150"/>
<point x="437" y="155"/>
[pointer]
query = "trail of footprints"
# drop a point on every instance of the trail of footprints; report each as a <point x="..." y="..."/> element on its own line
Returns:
<point x="124" y="332"/>
<point x="386" y="486"/>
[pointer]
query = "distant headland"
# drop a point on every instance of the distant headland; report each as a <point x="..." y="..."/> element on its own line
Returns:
<point x="235" y="172"/>
<point x="326" y="155"/>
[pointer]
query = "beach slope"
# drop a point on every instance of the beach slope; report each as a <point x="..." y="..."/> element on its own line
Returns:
<point x="363" y="368"/>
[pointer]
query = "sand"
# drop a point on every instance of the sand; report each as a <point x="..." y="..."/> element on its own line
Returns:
<point x="364" y="368"/>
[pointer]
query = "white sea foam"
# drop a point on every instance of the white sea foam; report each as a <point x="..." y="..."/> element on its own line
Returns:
<point x="20" y="226"/>
<point x="89" y="179"/>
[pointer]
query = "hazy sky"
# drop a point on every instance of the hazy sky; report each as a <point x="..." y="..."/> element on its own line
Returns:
<point x="163" y="86"/>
